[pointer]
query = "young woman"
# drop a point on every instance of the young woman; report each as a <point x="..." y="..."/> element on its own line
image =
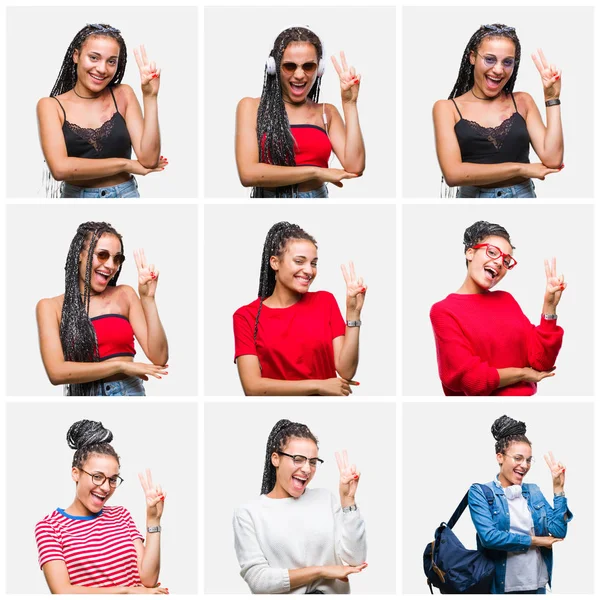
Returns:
<point x="295" y="539"/>
<point x="292" y="342"/>
<point x="485" y="345"/>
<point x="521" y="527"/>
<point x="284" y="138"/>
<point x="92" y="548"/>
<point x="91" y="120"/>
<point x="483" y="130"/>
<point x="86" y="334"/>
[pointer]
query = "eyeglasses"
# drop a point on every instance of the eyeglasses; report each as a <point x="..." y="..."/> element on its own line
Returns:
<point x="290" y="67"/>
<point x="300" y="461"/>
<point x="494" y="252"/>
<point x="490" y="61"/>
<point x="99" y="479"/>
<point x="104" y="255"/>
<point x="519" y="459"/>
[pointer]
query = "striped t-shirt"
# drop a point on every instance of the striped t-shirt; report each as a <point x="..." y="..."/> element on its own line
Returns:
<point x="98" y="550"/>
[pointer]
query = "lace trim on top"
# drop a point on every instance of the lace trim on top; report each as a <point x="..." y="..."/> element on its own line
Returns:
<point x="495" y="135"/>
<point x="94" y="136"/>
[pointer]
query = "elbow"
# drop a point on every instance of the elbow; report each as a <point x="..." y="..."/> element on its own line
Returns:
<point x="149" y="581"/>
<point x="452" y="179"/>
<point x="246" y="179"/>
<point x="554" y="163"/>
<point x="56" y="378"/>
<point x="59" y="173"/>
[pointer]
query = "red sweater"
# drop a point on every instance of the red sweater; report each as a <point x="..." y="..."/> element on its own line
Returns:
<point x="292" y="343"/>
<point x="477" y="334"/>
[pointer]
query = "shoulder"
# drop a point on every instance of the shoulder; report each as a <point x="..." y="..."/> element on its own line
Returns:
<point x="443" y="106"/>
<point x="126" y="290"/>
<point x="442" y="307"/>
<point x="248" y="105"/>
<point x="116" y="512"/>
<point x="248" y="310"/>
<point x="523" y="97"/>
<point x="320" y="496"/>
<point x="502" y="296"/>
<point x="321" y="296"/>
<point x="48" y="107"/>
<point x="122" y="90"/>
<point x="49" y="306"/>
<point x="48" y="521"/>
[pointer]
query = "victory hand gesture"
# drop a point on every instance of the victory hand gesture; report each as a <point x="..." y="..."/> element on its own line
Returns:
<point x="558" y="472"/>
<point x="355" y="289"/>
<point x="349" y="478"/>
<point x="147" y="274"/>
<point x="149" y="74"/>
<point x="349" y="80"/>
<point x="551" y="75"/>
<point x="155" y="497"/>
<point x="555" y="285"/>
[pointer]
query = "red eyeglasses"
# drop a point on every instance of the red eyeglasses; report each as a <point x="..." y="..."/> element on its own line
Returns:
<point x="494" y="252"/>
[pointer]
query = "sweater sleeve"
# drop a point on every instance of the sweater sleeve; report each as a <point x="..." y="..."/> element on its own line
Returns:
<point x="350" y="535"/>
<point x="543" y="344"/>
<point x="460" y="369"/>
<point x="255" y="569"/>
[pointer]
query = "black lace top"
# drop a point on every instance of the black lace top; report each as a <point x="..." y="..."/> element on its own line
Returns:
<point x="509" y="142"/>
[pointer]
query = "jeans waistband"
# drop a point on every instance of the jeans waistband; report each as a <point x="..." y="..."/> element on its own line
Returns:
<point x="114" y="191"/>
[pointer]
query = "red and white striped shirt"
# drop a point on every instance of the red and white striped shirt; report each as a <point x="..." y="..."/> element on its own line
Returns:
<point x="98" y="551"/>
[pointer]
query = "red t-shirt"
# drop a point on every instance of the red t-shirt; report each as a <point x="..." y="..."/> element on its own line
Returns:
<point x="477" y="334"/>
<point x="292" y="343"/>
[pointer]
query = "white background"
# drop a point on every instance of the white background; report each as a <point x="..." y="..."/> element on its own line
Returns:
<point x="170" y="35"/>
<point x="163" y="438"/>
<point x="456" y="449"/>
<point x="241" y="454"/>
<point x="234" y="67"/>
<point x="434" y="266"/>
<point x="168" y="235"/>
<point x="565" y="34"/>
<point x="364" y="234"/>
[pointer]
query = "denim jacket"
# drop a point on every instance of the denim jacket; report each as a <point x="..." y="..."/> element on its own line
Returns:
<point x="492" y="523"/>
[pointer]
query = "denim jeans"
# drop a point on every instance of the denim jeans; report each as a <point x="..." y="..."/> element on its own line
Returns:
<point x="320" y="192"/>
<point x="521" y="190"/>
<point x="129" y="189"/>
<point x="540" y="591"/>
<point x="132" y="386"/>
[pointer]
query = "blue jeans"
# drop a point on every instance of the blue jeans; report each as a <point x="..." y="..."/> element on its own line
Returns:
<point x="132" y="386"/>
<point x="129" y="189"/>
<point x="539" y="591"/>
<point x="320" y="192"/>
<point x="521" y="190"/>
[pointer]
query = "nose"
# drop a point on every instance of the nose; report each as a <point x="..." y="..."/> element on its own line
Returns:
<point x="498" y="68"/>
<point x="306" y="468"/>
<point x="105" y="487"/>
<point x="111" y="264"/>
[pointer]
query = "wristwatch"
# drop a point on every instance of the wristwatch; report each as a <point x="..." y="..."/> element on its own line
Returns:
<point x="561" y="494"/>
<point x="350" y="508"/>
<point x="550" y="317"/>
<point x="156" y="529"/>
<point x="553" y="102"/>
<point x="354" y="323"/>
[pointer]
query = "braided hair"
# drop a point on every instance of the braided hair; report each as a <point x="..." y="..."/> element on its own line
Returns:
<point x="506" y="431"/>
<point x="77" y="334"/>
<point x="466" y="78"/>
<point x="277" y="441"/>
<point x="67" y="76"/>
<point x="481" y="230"/>
<point x="87" y="438"/>
<point x="275" y="242"/>
<point x="274" y="137"/>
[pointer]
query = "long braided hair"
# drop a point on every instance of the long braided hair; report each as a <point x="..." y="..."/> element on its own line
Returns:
<point x="67" y="76"/>
<point x="277" y="440"/>
<point x="77" y="334"/>
<point x="87" y="438"/>
<point x="466" y="72"/>
<point x="274" y="137"/>
<point x="506" y="431"/>
<point x="275" y="242"/>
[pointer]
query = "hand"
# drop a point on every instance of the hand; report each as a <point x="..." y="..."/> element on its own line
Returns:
<point x="558" y="472"/>
<point x="551" y="76"/>
<point x="334" y="176"/>
<point x="545" y="541"/>
<point x="143" y="370"/>
<point x="349" y="80"/>
<point x="140" y="589"/>
<point x="537" y="171"/>
<point x="147" y="275"/>
<point x="341" y="572"/>
<point x="555" y="285"/>
<point x="349" y="478"/>
<point x="336" y="386"/>
<point x="155" y="497"/>
<point x="136" y="168"/>
<point x="533" y="376"/>
<point x="355" y="290"/>
<point x="149" y="74"/>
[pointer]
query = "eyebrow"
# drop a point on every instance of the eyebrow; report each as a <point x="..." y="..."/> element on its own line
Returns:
<point x="100" y="54"/>
<point x="302" y="256"/>
<point x="490" y="54"/>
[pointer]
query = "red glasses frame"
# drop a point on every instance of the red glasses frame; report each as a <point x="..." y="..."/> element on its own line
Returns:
<point x="487" y="247"/>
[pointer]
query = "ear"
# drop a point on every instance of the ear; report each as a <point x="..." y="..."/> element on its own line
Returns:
<point x="274" y="262"/>
<point x="500" y="458"/>
<point x="275" y="459"/>
<point x="472" y="57"/>
<point x="469" y="254"/>
<point x="76" y="56"/>
<point x="75" y="474"/>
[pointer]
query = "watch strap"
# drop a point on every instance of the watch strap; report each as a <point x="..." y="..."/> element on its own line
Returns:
<point x="155" y="529"/>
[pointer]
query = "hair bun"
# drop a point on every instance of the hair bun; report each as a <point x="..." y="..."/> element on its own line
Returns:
<point x="505" y="426"/>
<point x="85" y="433"/>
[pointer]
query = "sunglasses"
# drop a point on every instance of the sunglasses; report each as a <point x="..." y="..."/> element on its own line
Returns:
<point x="104" y="255"/>
<point x="290" y="67"/>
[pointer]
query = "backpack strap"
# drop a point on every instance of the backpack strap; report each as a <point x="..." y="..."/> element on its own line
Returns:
<point x="460" y="509"/>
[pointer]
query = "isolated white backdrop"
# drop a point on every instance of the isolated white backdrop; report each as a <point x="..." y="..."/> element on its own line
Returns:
<point x="37" y="40"/>
<point x="237" y="42"/>
<point x="434" y="266"/>
<point x="433" y="42"/>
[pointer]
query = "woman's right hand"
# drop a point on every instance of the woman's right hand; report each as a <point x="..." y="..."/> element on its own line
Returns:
<point x="336" y="386"/>
<point x="143" y="370"/>
<point x="136" y="168"/>
<point x="334" y="176"/>
<point x="545" y="541"/>
<point x="533" y="376"/>
<point x="341" y="572"/>
<point x="537" y="170"/>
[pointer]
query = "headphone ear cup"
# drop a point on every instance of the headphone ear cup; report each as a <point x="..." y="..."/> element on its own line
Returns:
<point x="321" y="68"/>
<point x="271" y="66"/>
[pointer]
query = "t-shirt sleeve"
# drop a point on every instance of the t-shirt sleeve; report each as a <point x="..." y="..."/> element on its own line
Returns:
<point x="243" y="333"/>
<point x="338" y="325"/>
<point x="48" y="542"/>
<point x="131" y="526"/>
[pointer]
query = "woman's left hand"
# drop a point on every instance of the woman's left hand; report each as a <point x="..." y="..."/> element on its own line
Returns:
<point x="551" y="76"/>
<point x="155" y="497"/>
<point x="558" y="472"/>
<point x="149" y="74"/>
<point x="349" y="478"/>
<point x="355" y="290"/>
<point x="147" y="275"/>
<point x="349" y="80"/>
<point x="555" y="285"/>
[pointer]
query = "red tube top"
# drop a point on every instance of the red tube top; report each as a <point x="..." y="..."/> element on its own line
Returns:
<point x="313" y="147"/>
<point x="115" y="336"/>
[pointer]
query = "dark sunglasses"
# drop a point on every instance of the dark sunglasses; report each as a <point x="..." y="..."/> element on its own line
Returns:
<point x="104" y="255"/>
<point x="290" y="67"/>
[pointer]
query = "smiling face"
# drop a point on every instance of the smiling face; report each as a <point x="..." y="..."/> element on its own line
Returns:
<point x="493" y="62"/>
<point x="292" y="480"/>
<point x="296" y="268"/>
<point x="102" y="272"/>
<point x="483" y="271"/>
<point x="513" y="463"/>
<point x="91" y="498"/>
<point x="96" y="62"/>
<point x="296" y="83"/>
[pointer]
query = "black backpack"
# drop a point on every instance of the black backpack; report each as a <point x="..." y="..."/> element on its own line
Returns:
<point x="449" y="566"/>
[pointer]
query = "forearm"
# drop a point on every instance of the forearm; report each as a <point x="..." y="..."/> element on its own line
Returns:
<point x="465" y="173"/>
<point x="150" y="142"/>
<point x="304" y="576"/>
<point x="510" y="376"/>
<point x="354" y="148"/>
<point x="263" y="175"/>
<point x="263" y="386"/>
<point x="348" y="358"/>
<point x="71" y="168"/>
<point x="552" y="154"/>
<point x="82" y="372"/>
<point x="158" y="347"/>
<point x="150" y="568"/>
<point x="82" y="589"/>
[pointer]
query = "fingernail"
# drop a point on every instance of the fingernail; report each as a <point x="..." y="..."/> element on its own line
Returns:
<point x="159" y="376"/>
<point x="154" y="76"/>
<point x="562" y="287"/>
<point x="363" y="289"/>
<point x="356" y="477"/>
<point x="357" y="382"/>
<point x="162" y="498"/>
<point x="166" y="372"/>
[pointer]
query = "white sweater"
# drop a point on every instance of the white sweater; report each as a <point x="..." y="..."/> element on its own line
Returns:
<point x="275" y="535"/>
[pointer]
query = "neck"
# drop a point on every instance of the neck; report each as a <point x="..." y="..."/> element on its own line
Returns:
<point x="292" y="103"/>
<point x="83" y="93"/>
<point x="503" y="481"/>
<point x="278" y="493"/>
<point x="480" y="95"/>
<point x="283" y="297"/>
<point x="78" y="509"/>
<point x="469" y="287"/>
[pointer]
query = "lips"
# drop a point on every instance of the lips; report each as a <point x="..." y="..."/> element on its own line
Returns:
<point x="298" y="88"/>
<point x="519" y="474"/>
<point x="102" y="275"/>
<point x="493" y="82"/>
<point x="98" y="498"/>
<point x="491" y="273"/>
<point x="303" y="279"/>
<point x="299" y="482"/>
<point x="96" y="78"/>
